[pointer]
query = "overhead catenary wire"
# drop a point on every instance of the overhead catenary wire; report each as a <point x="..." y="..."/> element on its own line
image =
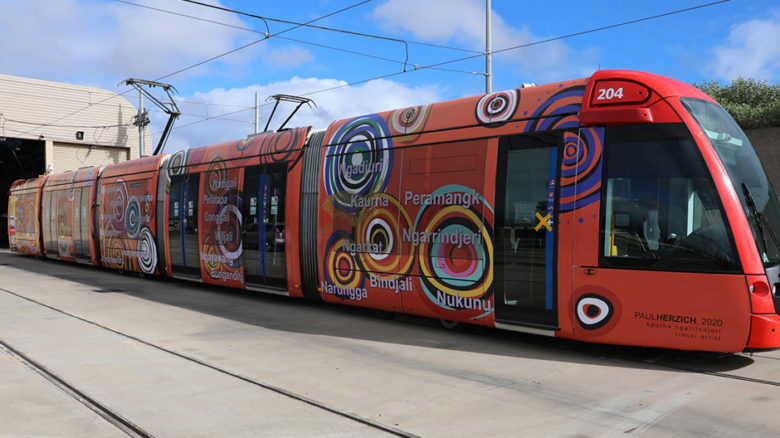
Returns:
<point x="331" y="29"/>
<point x="535" y="43"/>
<point x="2" y="116"/>
<point x="90" y="105"/>
<point x="299" y="41"/>
<point x="54" y="98"/>
<point x="430" y="66"/>
<point x="261" y="40"/>
<point x="220" y="117"/>
<point x="193" y="66"/>
<point x="96" y="91"/>
<point x="197" y="102"/>
<point x="506" y="49"/>
<point x="71" y="90"/>
<point x="94" y="142"/>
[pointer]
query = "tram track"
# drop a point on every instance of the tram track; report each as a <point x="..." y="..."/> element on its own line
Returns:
<point x="763" y="356"/>
<point x="705" y="364"/>
<point x="102" y="410"/>
<point x="719" y="374"/>
<point x="667" y="362"/>
<point x="133" y="430"/>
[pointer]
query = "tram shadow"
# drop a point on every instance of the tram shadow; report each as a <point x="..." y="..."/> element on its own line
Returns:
<point x="318" y="318"/>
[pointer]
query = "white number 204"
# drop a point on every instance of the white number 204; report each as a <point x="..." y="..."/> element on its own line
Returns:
<point x="610" y="93"/>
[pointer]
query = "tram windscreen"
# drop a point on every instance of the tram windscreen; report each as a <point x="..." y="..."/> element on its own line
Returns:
<point x="747" y="175"/>
<point x="661" y="208"/>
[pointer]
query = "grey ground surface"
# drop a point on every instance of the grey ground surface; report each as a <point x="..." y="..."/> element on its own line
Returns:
<point x="404" y="372"/>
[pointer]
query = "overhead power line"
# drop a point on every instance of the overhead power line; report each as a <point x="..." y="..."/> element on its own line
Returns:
<point x="260" y="40"/>
<point x="426" y="67"/>
<point x="77" y="111"/>
<point x="21" y="122"/>
<point x="197" y="102"/>
<point x="299" y="41"/>
<point x="535" y="43"/>
<point x="189" y="68"/>
<point x="331" y="29"/>
<point x="507" y="49"/>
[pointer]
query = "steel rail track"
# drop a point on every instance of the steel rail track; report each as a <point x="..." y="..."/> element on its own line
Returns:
<point x="287" y="393"/>
<point x="95" y="406"/>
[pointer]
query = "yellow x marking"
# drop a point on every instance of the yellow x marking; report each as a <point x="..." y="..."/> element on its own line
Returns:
<point x="543" y="222"/>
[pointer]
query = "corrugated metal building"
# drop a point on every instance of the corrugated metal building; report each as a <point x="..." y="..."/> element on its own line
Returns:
<point x="56" y="113"/>
<point x="53" y="127"/>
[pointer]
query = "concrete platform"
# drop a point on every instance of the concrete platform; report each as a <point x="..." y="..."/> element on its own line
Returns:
<point x="405" y="373"/>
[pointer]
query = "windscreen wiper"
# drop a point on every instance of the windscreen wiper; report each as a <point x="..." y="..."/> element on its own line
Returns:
<point x="761" y="220"/>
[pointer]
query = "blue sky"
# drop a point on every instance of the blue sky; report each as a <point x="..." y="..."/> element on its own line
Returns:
<point x="102" y="42"/>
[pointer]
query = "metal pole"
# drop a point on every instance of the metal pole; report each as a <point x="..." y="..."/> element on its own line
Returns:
<point x="488" y="49"/>
<point x="257" y="112"/>
<point x="140" y="125"/>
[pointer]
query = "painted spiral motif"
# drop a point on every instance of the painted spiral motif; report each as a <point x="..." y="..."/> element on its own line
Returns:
<point x="216" y="175"/>
<point x="454" y="249"/>
<point x="281" y="147"/>
<point x="496" y="109"/>
<point x="222" y="247"/>
<point x="177" y="164"/>
<point x="211" y="256"/>
<point x="340" y="267"/>
<point x="381" y="227"/>
<point x="117" y="204"/>
<point x="147" y="251"/>
<point x="277" y="147"/>
<point x="230" y="248"/>
<point x="359" y="162"/>
<point x="559" y="111"/>
<point x="593" y="311"/>
<point x="581" y="168"/>
<point x="240" y="151"/>
<point x="113" y="253"/>
<point x="132" y="217"/>
<point x="245" y="144"/>
<point x="64" y="233"/>
<point x="71" y="194"/>
<point x="406" y="124"/>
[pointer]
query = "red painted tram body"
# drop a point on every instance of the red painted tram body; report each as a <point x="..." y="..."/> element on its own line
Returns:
<point x="624" y="208"/>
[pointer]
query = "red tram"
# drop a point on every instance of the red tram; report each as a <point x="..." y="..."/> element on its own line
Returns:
<point x="624" y="208"/>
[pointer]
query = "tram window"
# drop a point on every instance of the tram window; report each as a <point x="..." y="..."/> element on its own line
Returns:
<point x="274" y="221"/>
<point x="252" y="217"/>
<point x="176" y="202"/>
<point x="52" y="230"/>
<point x="77" y="232"/>
<point x="661" y="209"/>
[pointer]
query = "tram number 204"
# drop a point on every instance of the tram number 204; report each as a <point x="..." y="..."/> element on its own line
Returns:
<point x="610" y="93"/>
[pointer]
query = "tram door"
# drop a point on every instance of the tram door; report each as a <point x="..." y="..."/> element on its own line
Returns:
<point x="263" y="232"/>
<point x="525" y="229"/>
<point x="183" y="225"/>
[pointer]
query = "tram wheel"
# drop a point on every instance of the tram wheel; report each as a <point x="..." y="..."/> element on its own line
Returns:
<point x="384" y="314"/>
<point x="449" y="324"/>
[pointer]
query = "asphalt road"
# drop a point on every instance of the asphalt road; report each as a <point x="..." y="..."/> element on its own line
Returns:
<point x="84" y="351"/>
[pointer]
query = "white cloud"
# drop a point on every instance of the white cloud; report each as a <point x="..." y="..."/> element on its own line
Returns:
<point x="463" y="22"/>
<point x="289" y="56"/>
<point x="459" y="20"/>
<point x="346" y="101"/>
<point x="752" y="50"/>
<point x="89" y="40"/>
